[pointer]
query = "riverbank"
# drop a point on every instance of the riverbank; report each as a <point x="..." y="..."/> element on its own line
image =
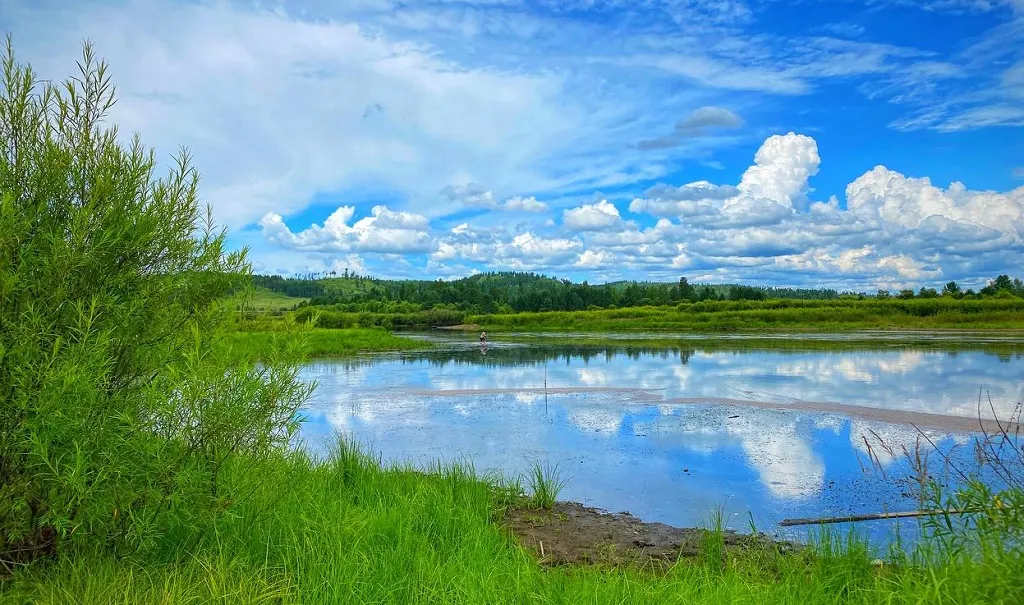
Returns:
<point x="765" y="316"/>
<point x="255" y="344"/>
<point x="347" y="530"/>
<point x="774" y="316"/>
<point x="996" y="342"/>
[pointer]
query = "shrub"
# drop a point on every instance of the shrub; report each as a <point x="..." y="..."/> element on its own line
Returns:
<point x="116" y="416"/>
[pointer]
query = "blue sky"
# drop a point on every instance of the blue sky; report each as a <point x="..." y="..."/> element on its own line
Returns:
<point x="856" y="144"/>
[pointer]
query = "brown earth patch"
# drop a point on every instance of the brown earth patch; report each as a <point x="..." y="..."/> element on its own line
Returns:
<point x="572" y="534"/>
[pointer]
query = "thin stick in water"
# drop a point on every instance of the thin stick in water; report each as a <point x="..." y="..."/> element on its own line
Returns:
<point x="874" y="517"/>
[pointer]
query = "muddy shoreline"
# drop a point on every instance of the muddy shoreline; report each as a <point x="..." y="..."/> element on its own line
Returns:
<point x="573" y="534"/>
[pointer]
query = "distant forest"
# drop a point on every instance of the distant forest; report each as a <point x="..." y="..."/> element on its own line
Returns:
<point x="513" y="292"/>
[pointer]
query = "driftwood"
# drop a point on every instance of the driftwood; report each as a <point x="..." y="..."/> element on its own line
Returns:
<point x="875" y="517"/>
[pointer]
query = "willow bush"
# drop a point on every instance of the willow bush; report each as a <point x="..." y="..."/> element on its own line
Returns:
<point x="116" y="416"/>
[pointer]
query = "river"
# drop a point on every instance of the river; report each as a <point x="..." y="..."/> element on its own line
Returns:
<point x="670" y="433"/>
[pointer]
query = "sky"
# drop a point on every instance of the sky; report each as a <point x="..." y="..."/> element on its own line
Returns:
<point x="853" y="144"/>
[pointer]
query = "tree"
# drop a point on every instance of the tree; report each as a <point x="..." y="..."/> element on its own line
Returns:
<point x="686" y="291"/>
<point x="906" y="294"/>
<point x="1001" y="283"/>
<point x="882" y="294"/>
<point x="118" y="409"/>
<point x="746" y="293"/>
<point x="928" y="293"/>
<point x="952" y="289"/>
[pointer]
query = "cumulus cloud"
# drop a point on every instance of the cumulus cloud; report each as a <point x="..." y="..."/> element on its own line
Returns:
<point x="909" y="202"/>
<point x="891" y="231"/>
<point x="524" y="251"/>
<point x="384" y="231"/>
<point x="592" y="259"/>
<point x="592" y="217"/>
<point x="768" y="192"/>
<point x="782" y="167"/>
<point x="895" y="230"/>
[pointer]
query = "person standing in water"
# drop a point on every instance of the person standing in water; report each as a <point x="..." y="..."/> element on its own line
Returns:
<point x="483" y="337"/>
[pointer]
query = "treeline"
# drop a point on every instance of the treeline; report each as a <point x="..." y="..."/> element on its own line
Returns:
<point x="703" y="316"/>
<point x="1000" y="287"/>
<point x="512" y="292"/>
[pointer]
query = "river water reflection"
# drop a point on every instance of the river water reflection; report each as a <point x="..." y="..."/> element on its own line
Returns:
<point x="670" y="434"/>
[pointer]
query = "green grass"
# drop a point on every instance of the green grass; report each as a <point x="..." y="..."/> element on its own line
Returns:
<point x="265" y="300"/>
<point x="320" y="343"/>
<point x="1002" y="343"/>
<point x="347" y="530"/>
<point x="775" y="316"/>
<point x="546" y="483"/>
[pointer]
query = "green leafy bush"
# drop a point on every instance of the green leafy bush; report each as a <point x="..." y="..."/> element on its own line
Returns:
<point x="116" y="417"/>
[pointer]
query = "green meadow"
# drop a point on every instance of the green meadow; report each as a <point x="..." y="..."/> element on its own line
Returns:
<point x="347" y="530"/>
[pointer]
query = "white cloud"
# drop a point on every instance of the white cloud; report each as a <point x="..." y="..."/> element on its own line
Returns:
<point x="384" y="231"/>
<point x="767" y="193"/>
<point x="524" y="204"/>
<point x="908" y="268"/>
<point x="495" y="108"/>
<point x="895" y="230"/>
<point x="592" y="259"/>
<point x="592" y="217"/>
<point x="470" y="194"/>
<point x="782" y="167"/>
<point x="525" y="251"/>
<point x="277" y="109"/>
<point x="908" y="202"/>
<point x="473" y="195"/>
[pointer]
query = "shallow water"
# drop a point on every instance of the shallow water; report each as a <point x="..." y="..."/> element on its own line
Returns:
<point x="671" y="434"/>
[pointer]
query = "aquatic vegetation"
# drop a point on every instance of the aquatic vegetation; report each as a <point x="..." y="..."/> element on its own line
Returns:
<point x="545" y="483"/>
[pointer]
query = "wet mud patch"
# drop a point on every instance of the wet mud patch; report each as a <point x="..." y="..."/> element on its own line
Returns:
<point x="572" y="534"/>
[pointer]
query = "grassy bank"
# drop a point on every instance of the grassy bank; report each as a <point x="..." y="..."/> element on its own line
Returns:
<point x="627" y="343"/>
<point x="776" y="316"/>
<point x="349" y="531"/>
<point x="318" y="342"/>
<point x="268" y="301"/>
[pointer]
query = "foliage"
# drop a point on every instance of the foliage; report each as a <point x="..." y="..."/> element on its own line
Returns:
<point x="776" y="316"/>
<point x="348" y="530"/>
<point x="117" y="418"/>
<point x="509" y="292"/>
<point x="316" y="343"/>
<point x="381" y="315"/>
<point x="545" y="483"/>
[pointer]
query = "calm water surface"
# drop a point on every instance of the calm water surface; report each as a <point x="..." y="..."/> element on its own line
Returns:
<point x="670" y="434"/>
